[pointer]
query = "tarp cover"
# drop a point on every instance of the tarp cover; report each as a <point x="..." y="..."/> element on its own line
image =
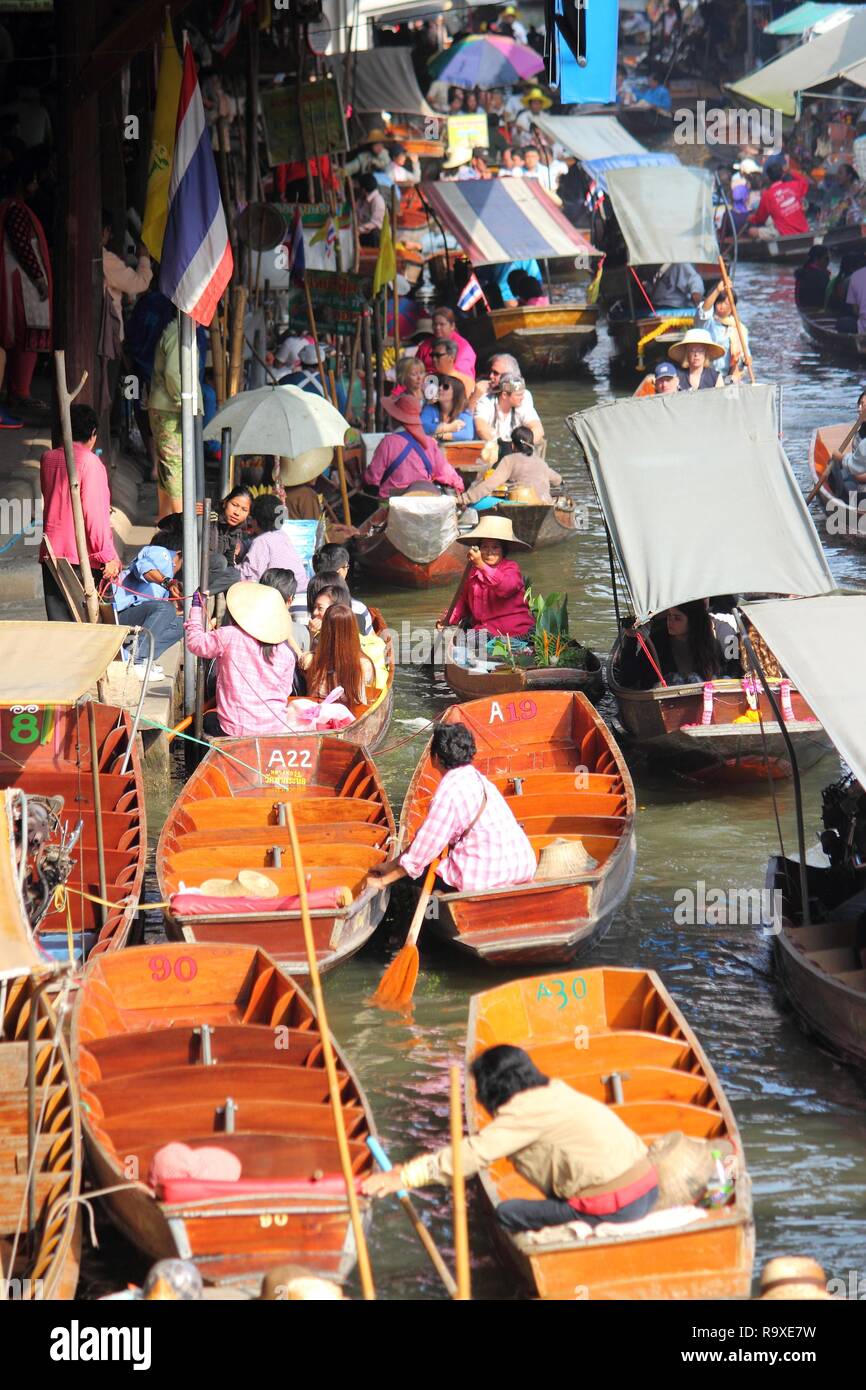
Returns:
<point x="818" y="642"/>
<point x="590" y="137"/>
<point x="18" y="954"/>
<point x="421" y="527"/>
<point x="499" y="220"/>
<point x="699" y="497"/>
<point x="383" y="79"/>
<point x="806" y="66"/>
<point x="600" y="168"/>
<point x="665" y="214"/>
<point x="54" y="663"/>
<point x="802" y="18"/>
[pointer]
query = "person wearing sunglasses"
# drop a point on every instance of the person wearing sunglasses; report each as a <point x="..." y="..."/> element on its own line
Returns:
<point x="444" y="362"/>
<point x="447" y="418"/>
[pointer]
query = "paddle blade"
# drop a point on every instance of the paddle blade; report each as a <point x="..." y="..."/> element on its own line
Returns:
<point x="397" y="985"/>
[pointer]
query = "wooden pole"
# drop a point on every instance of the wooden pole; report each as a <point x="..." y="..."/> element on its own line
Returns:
<point x="396" y="294"/>
<point x="311" y="319"/>
<point x="204" y="582"/>
<point x="97" y="809"/>
<point x="64" y="401"/>
<point x="458" y="1188"/>
<point x="380" y="366"/>
<point x="218" y="354"/>
<point x="368" y="369"/>
<point x="236" y="360"/>
<point x="364" y="1270"/>
<point x="729" y="290"/>
<point x="353" y="366"/>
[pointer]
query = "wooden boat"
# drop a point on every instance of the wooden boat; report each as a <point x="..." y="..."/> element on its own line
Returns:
<point x="470" y="683"/>
<point x="638" y="1055"/>
<point x="39" y="1257"/>
<point x="844" y="519"/>
<point x="665" y="723"/>
<point x="228" y="818"/>
<point x="554" y="760"/>
<point x="821" y="328"/>
<point x="45" y="751"/>
<point x="216" y="1046"/>
<point x="375" y="554"/>
<point x="541" y="524"/>
<point x="372" y="719"/>
<point x="792" y="250"/>
<point x="546" y="339"/>
<point x="820" y="967"/>
<point x="638" y="346"/>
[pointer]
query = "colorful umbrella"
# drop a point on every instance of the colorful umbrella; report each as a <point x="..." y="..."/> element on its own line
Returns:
<point x="486" y="60"/>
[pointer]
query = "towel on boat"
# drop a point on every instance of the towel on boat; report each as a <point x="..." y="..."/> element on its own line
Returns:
<point x="315" y="715"/>
<point x="191" y="902"/>
<point x="180" y="1161"/>
<point x="656" y="1223"/>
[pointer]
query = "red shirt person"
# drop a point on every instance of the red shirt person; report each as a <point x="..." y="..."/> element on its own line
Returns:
<point x="783" y="202"/>
<point x="443" y="327"/>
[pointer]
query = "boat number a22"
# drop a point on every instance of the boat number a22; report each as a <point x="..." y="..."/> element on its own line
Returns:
<point x="514" y="710"/>
<point x="561" y="990"/>
<point x="296" y="757"/>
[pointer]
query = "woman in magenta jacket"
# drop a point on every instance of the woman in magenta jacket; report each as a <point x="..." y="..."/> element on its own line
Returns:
<point x="492" y="594"/>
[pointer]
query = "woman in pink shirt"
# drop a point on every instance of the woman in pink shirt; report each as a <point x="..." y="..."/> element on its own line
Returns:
<point x="408" y="455"/>
<point x="443" y="321"/>
<point x="492" y="595"/>
<point x="57" y="524"/>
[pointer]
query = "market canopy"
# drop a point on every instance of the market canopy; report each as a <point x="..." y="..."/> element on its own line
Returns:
<point x="823" y="59"/>
<point x="802" y="18"/>
<point x="599" y="169"/>
<point x="699" y="498"/>
<point x="54" y="663"/>
<point x="500" y="220"/>
<point x="382" y="79"/>
<point x="814" y="640"/>
<point x="589" y="137"/>
<point x="665" y="214"/>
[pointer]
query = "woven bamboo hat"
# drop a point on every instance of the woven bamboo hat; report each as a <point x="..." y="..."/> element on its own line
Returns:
<point x="260" y="611"/>
<point x="696" y="337"/>
<point x="248" y="884"/>
<point x="793" y="1276"/>
<point x="685" y="1166"/>
<point x="492" y="528"/>
<point x="294" y="1283"/>
<point x="564" y="859"/>
<point x="536" y="94"/>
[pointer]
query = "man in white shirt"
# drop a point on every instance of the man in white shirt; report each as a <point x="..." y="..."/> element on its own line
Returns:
<point x="548" y="172"/>
<point x="505" y="403"/>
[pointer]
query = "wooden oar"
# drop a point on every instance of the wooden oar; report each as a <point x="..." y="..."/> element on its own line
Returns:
<point x="457" y="592"/>
<point x="841" y="450"/>
<point x="458" y="1188"/>
<point x="415" y="1221"/>
<point x="397" y="985"/>
<point x="729" y="290"/>
<point x="364" y="1270"/>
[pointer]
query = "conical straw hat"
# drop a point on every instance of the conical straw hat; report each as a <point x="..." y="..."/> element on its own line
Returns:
<point x="685" y="1167"/>
<point x="793" y="1276"/>
<point x="564" y="859"/>
<point x="696" y="337"/>
<point x="259" y="610"/>
<point x="492" y="528"/>
<point x="248" y="884"/>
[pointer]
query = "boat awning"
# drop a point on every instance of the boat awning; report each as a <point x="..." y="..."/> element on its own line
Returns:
<point x="599" y="169"/>
<point x="665" y="214"/>
<point x="699" y="498"/>
<point x="589" y="137"/>
<point x="817" y="642"/>
<point x="18" y="954"/>
<point x="499" y="220"/>
<point x="802" y="18"/>
<point x="54" y="663"/>
<point x="383" y="79"/>
<point x="823" y="59"/>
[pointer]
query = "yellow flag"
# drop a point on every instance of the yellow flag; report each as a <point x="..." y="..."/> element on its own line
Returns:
<point x="162" y="144"/>
<point x="386" y="264"/>
<point x="593" y="288"/>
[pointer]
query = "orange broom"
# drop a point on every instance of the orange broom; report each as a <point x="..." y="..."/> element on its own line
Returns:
<point x="397" y="985"/>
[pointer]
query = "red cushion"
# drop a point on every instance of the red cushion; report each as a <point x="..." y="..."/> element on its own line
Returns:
<point x="197" y="1189"/>
<point x="202" y="904"/>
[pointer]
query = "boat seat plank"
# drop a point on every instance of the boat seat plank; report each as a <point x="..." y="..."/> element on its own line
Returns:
<point x="292" y="1118"/>
<point x="124" y="1055"/>
<point x="237" y="1079"/>
<point x="854" y="979"/>
<point x="257" y="854"/>
<point x="836" y="960"/>
<point x="260" y="810"/>
<point x="194" y="867"/>
<point x="550" y="783"/>
<point x="613" y="1051"/>
<point x="656" y="1117"/>
<point x="347" y="832"/>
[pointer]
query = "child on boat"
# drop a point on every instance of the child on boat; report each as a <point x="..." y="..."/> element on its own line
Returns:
<point x="492" y="596"/>
<point x="254" y="660"/>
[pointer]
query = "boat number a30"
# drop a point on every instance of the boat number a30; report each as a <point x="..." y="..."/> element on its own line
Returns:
<point x="514" y="710"/>
<point x="563" y="990"/>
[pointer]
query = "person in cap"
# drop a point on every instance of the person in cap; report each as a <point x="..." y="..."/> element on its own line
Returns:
<point x="408" y="455"/>
<point x="480" y="165"/>
<point x="373" y="155"/>
<point x="522" y="467"/>
<point x="145" y="595"/>
<point x="666" y="381"/>
<point x="255" y="663"/>
<point x="492" y="595"/>
<point x="693" y="355"/>
<point x="444" y="325"/>
<point x="271" y="545"/>
<point x="487" y="848"/>
<point x="510" y="23"/>
<point x="585" y="1163"/>
<point x="716" y="315"/>
<point x="780" y="211"/>
<point x="370" y="211"/>
<point x="505" y="405"/>
<point x="535" y="101"/>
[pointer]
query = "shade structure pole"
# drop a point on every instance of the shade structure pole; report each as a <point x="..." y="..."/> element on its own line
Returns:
<point x="190" y="547"/>
<point x="97" y="811"/>
<point x="225" y="462"/>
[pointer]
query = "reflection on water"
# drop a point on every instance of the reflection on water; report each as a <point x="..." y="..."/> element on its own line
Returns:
<point x="802" y="1116"/>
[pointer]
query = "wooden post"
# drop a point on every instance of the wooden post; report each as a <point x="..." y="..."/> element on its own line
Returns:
<point x="204" y="582"/>
<point x="379" y="345"/>
<point x="353" y="365"/>
<point x="311" y="319"/>
<point x="64" y="401"/>
<point x="218" y="355"/>
<point x="368" y="370"/>
<point x="396" y="294"/>
<point x="97" y="809"/>
<point x="236" y="359"/>
<point x="458" y="1187"/>
<point x="364" y="1270"/>
<point x="729" y="290"/>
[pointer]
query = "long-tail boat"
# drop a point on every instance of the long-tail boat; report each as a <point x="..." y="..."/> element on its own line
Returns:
<point x="231" y="816"/>
<point x="216" y="1047"/>
<point x="546" y="339"/>
<point x="57" y="741"/>
<point x="792" y="250"/>
<point x="562" y="774"/>
<point x="844" y="517"/>
<point x="617" y="1036"/>
<point x="40" y="1137"/>
<point x="821" y="328"/>
<point x="475" y="682"/>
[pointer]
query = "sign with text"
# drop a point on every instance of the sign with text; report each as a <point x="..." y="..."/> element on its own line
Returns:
<point x="465" y="132"/>
<point x="302" y="122"/>
<point x="337" y="301"/>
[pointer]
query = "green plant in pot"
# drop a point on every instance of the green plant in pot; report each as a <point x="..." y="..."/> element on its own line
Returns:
<point x="549" y="642"/>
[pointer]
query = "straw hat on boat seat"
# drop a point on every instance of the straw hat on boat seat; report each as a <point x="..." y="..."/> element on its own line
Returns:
<point x="260" y="611"/>
<point x="248" y="884"/>
<point x="294" y="1283"/>
<point x="696" y="337"/>
<point x="564" y="859"/>
<point x="793" y="1276"/>
<point x="491" y="528"/>
<point x="685" y="1167"/>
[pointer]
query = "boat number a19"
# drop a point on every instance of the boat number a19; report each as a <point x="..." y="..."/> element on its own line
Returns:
<point x="563" y="990"/>
<point x="514" y="710"/>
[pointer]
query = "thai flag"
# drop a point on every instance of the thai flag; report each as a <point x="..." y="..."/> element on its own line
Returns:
<point x="228" y="24"/>
<point x="196" y="256"/>
<point x="470" y="295"/>
<point x="295" y="243"/>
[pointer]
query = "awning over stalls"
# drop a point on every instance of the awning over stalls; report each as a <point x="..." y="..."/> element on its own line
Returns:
<point x="54" y="663"/>
<point x="382" y="79"/>
<point x="599" y="169"/>
<point x="665" y="214"/>
<point x="817" y="641"/>
<point x="804" y="17"/>
<point x="589" y="137"/>
<point x="699" y="498"/>
<point x="807" y="66"/>
<point x="499" y="220"/>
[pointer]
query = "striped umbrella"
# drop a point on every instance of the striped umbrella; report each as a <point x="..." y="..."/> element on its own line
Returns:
<point x="486" y="60"/>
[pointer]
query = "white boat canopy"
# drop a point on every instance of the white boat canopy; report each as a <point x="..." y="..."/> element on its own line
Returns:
<point x="54" y="663"/>
<point x="699" y="498"/>
<point x="589" y="137"/>
<point x="809" y="65"/>
<point x="382" y="79"/>
<point x="665" y="213"/>
<point x="818" y="642"/>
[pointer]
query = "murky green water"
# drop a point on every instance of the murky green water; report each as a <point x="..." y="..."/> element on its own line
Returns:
<point x="802" y="1116"/>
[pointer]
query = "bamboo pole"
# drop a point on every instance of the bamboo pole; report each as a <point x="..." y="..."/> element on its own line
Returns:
<point x="378" y="302"/>
<point x="204" y="582"/>
<point x="364" y="1270"/>
<point x="368" y="369"/>
<point x="218" y="355"/>
<point x="729" y="290"/>
<point x="396" y="294"/>
<point x="97" y="810"/>
<point x="311" y="319"/>
<point x="236" y="360"/>
<point x="458" y="1188"/>
<point x="64" y="400"/>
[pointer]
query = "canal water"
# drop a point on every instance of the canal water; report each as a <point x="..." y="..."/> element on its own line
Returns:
<point x="802" y="1115"/>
